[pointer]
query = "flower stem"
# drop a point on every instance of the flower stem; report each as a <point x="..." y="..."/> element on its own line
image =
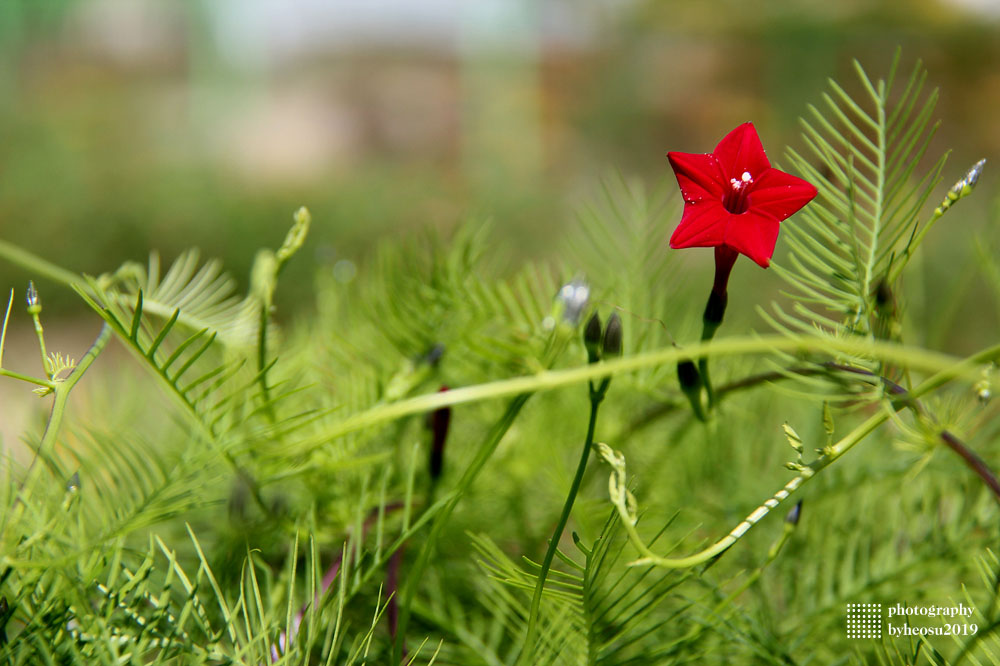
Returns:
<point x="596" y="397"/>
<point x="916" y="238"/>
<point x="46" y="366"/>
<point x="486" y="449"/>
<point x="27" y="378"/>
<point x="715" y="310"/>
<point x="707" y="383"/>
<point x="262" y="365"/>
<point x="975" y="463"/>
<point x="3" y="331"/>
<point x="45" y="447"/>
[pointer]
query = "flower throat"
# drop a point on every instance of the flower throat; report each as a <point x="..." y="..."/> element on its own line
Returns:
<point x="735" y="201"/>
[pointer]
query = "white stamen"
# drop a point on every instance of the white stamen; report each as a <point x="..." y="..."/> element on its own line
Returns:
<point x="735" y="183"/>
<point x="746" y="177"/>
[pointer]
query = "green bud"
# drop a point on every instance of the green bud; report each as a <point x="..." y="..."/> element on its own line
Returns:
<point x="613" y="337"/>
<point x="296" y="235"/>
<point x="34" y="303"/>
<point x="592" y="338"/>
<point x="984" y="387"/>
<point x="962" y="188"/>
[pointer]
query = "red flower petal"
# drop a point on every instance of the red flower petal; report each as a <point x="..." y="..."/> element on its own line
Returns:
<point x="754" y="234"/>
<point x="733" y="198"/>
<point x="702" y="225"/>
<point x="779" y="194"/>
<point x="698" y="175"/>
<point x="741" y="151"/>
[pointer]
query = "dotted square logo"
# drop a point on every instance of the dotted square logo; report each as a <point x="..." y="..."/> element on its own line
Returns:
<point x="864" y="620"/>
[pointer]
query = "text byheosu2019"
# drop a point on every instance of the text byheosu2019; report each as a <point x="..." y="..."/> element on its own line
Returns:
<point x="929" y="612"/>
<point x="941" y="630"/>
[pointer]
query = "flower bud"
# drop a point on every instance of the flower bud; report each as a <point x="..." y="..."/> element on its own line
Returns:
<point x="687" y="376"/>
<point x="34" y="303"/>
<point x="438" y="422"/>
<point x="690" y="380"/>
<point x="962" y="188"/>
<point x="73" y="485"/>
<point x="613" y="337"/>
<point x="793" y="516"/>
<point x="4" y="612"/>
<point x="296" y="235"/>
<point x="884" y="300"/>
<point x="984" y="387"/>
<point x="573" y="297"/>
<point x="434" y="354"/>
<point x="592" y="338"/>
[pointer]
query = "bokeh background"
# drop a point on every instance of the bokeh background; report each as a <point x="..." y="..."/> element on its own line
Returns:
<point x="127" y="126"/>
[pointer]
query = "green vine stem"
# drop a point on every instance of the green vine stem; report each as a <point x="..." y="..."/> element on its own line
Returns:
<point x="483" y="454"/>
<point x="61" y="389"/>
<point x="35" y="310"/>
<point x="49" y="384"/>
<point x="262" y="364"/>
<point x="596" y="398"/>
<point x="622" y="499"/>
<point x="38" y="266"/>
<point x="718" y="611"/>
<point x="544" y="380"/>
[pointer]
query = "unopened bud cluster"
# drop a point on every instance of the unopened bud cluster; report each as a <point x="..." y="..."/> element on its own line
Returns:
<point x="603" y="343"/>
<point x="984" y="387"/>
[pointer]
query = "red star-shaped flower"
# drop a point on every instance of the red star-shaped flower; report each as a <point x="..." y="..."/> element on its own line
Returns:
<point x="733" y="198"/>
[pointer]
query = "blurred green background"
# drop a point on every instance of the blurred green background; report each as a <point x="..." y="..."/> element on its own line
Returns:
<point x="127" y="126"/>
<point x="164" y="124"/>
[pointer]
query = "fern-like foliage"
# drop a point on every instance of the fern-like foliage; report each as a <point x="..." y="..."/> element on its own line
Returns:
<point x="152" y="606"/>
<point x="422" y="313"/>
<point x="430" y="293"/>
<point x="192" y="333"/>
<point x="202" y="294"/>
<point x="596" y="609"/>
<point x="865" y="154"/>
<point x="621" y="237"/>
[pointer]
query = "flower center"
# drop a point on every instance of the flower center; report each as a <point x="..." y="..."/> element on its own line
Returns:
<point x="735" y="200"/>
